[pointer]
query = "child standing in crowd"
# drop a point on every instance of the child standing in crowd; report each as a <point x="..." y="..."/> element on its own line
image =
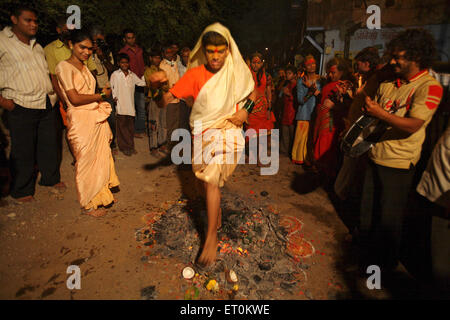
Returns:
<point x="156" y="116"/>
<point x="290" y="104"/>
<point x="123" y="82"/>
<point x="308" y="89"/>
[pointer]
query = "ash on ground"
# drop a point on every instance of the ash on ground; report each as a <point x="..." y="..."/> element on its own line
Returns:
<point x="252" y="242"/>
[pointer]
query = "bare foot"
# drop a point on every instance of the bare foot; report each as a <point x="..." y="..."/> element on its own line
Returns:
<point x="60" y="186"/>
<point x="208" y="255"/>
<point x="219" y="219"/>
<point x="99" y="212"/>
<point x="25" y="199"/>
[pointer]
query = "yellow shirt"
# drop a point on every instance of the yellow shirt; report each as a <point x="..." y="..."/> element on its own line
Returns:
<point x="147" y="73"/>
<point x="56" y="51"/>
<point x="421" y="96"/>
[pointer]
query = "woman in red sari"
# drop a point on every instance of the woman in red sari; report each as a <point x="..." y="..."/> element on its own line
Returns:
<point x="262" y="116"/>
<point x="331" y="111"/>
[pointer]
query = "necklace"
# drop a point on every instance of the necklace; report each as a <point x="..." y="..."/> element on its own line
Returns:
<point x="72" y="62"/>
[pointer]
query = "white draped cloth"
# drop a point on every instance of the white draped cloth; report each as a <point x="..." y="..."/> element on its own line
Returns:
<point x="222" y="95"/>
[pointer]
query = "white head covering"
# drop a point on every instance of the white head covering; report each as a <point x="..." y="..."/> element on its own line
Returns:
<point x="228" y="87"/>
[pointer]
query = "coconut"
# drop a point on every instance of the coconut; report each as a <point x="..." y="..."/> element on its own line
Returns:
<point x="231" y="276"/>
<point x="188" y="273"/>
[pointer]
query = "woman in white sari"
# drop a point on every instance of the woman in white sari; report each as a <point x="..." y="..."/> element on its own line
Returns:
<point x="88" y="131"/>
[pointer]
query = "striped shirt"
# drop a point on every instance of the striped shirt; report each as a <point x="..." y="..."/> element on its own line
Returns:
<point x="24" y="75"/>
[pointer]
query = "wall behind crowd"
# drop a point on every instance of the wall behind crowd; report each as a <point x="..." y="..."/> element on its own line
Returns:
<point x="362" y="38"/>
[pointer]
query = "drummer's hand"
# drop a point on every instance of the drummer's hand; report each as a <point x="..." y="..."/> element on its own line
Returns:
<point x="239" y="117"/>
<point x="157" y="79"/>
<point x="372" y="108"/>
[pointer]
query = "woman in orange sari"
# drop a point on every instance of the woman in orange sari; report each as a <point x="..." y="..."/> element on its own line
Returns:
<point x="331" y="111"/>
<point x="88" y="131"/>
<point x="262" y="116"/>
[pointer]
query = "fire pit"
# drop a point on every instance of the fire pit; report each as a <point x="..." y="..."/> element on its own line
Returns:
<point x="264" y="249"/>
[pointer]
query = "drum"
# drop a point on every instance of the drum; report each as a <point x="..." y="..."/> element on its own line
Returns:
<point x="362" y="135"/>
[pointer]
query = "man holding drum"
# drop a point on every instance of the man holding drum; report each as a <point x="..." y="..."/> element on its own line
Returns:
<point x="389" y="174"/>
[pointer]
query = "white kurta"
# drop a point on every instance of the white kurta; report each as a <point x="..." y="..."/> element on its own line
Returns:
<point x="122" y="87"/>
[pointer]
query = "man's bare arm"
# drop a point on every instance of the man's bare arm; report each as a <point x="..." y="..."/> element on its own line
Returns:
<point x="269" y="95"/>
<point x="241" y="116"/>
<point x="78" y="99"/>
<point x="157" y="80"/>
<point x="57" y="88"/>
<point x="409" y="125"/>
<point x="7" y="104"/>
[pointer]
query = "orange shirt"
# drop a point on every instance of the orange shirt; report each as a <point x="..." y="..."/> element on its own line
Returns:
<point x="191" y="83"/>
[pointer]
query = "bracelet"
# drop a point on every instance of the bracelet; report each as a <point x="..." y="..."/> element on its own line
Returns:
<point x="248" y="106"/>
<point x="103" y="95"/>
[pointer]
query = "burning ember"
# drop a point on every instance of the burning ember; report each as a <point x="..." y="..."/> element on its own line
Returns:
<point x="262" y="248"/>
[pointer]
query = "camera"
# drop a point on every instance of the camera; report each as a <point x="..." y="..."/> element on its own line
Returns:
<point x="103" y="46"/>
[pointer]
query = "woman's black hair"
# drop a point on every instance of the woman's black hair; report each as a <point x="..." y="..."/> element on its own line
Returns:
<point x="344" y="66"/>
<point x="78" y="35"/>
<point x="419" y="45"/>
<point x="261" y="71"/>
<point x="291" y="68"/>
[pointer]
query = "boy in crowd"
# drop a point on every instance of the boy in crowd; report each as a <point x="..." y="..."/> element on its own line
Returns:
<point x="123" y="82"/>
<point x="137" y="65"/>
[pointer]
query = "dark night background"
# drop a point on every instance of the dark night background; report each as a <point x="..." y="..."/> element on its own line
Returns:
<point x="255" y="24"/>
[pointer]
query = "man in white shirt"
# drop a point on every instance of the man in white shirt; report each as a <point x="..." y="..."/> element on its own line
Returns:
<point x="27" y="93"/>
<point x="123" y="82"/>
